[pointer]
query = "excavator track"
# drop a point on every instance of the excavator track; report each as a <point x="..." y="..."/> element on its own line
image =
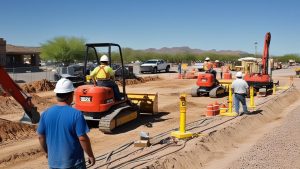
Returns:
<point x="117" y="117"/>
<point x="217" y="92"/>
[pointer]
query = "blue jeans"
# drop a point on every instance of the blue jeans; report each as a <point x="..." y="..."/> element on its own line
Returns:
<point x="77" y="166"/>
<point x="237" y="99"/>
<point x="112" y="85"/>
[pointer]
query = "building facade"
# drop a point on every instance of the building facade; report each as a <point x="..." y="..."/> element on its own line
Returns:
<point x="18" y="56"/>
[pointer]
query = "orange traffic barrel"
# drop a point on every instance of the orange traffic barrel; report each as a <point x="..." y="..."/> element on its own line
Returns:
<point x="209" y="110"/>
<point x="227" y="75"/>
<point x="216" y="108"/>
<point x="223" y="108"/>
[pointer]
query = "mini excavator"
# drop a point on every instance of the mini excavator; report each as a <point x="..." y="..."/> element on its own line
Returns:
<point x="262" y="81"/>
<point x="98" y="103"/>
<point x="31" y="114"/>
<point x="207" y="84"/>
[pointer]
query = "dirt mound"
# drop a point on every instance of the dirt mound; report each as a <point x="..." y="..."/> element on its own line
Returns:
<point x="9" y="106"/>
<point x="200" y="151"/>
<point x="138" y="80"/>
<point x="38" y="86"/>
<point x="15" y="131"/>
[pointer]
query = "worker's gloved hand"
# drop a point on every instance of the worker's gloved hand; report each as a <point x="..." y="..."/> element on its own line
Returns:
<point x="92" y="161"/>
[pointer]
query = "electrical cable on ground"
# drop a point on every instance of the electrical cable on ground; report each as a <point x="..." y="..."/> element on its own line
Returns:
<point x="190" y="126"/>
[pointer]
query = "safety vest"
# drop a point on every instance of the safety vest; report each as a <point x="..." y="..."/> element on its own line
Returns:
<point x="224" y="69"/>
<point x="102" y="74"/>
<point x="208" y="66"/>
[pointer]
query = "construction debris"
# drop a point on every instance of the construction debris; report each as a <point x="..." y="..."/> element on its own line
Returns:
<point x="138" y="80"/>
<point x="38" y="86"/>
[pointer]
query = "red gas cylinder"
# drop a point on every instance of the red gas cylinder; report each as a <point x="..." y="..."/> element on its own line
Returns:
<point x="227" y="75"/>
<point x="216" y="108"/>
<point x="209" y="110"/>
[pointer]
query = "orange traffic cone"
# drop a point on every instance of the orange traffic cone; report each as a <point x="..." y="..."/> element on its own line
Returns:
<point x="216" y="108"/>
<point x="209" y="110"/>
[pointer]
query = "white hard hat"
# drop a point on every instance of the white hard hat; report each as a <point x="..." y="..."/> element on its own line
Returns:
<point x="239" y="74"/>
<point x="207" y="58"/>
<point x="64" y="86"/>
<point x="217" y="61"/>
<point x="104" y="58"/>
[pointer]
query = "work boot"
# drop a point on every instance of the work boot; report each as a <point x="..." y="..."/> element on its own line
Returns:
<point x="247" y="112"/>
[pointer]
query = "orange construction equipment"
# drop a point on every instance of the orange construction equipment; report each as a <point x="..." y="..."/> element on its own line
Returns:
<point x="97" y="103"/>
<point x="207" y="84"/>
<point x="262" y="81"/>
<point x="31" y="114"/>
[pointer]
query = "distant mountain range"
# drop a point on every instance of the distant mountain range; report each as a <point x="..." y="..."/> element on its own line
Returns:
<point x="196" y="51"/>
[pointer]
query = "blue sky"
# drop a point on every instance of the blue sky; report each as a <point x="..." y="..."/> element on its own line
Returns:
<point x="142" y="24"/>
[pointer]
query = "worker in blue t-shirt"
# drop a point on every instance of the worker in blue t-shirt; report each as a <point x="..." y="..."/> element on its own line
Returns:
<point x="63" y="131"/>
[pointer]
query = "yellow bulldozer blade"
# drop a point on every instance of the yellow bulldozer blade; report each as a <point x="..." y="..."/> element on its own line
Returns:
<point x="148" y="103"/>
<point x="282" y="87"/>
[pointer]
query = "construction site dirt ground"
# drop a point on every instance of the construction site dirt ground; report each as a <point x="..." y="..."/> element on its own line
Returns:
<point x="234" y="144"/>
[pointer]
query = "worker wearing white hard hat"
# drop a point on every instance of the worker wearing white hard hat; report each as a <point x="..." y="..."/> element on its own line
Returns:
<point x="104" y="71"/>
<point x="239" y="74"/>
<point x="208" y="68"/>
<point x="240" y="87"/>
<point x="64" y="86"/>
<point x="61" y="125"/>
<point x="207" y="64"/>
<point x="104" y="75"/>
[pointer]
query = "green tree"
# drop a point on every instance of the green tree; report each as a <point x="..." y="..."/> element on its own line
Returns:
<point x="287" y="57"/>
<point x="63" y="49"/>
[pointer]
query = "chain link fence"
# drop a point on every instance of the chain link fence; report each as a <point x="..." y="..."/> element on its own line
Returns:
<point x="30" y="74"/>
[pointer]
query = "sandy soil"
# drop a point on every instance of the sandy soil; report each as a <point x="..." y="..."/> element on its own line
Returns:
<point x="22" y="150"/>
<point x="278" y="148"/>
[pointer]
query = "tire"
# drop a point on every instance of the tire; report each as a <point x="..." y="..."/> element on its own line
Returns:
<point x="154" y="70"/>
<point x="168" y="69"/>
<point x="194" y="92"/>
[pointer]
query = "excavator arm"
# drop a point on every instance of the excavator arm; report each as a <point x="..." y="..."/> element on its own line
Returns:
<point x="31" y="115"/>
<point x="265" y="57"/>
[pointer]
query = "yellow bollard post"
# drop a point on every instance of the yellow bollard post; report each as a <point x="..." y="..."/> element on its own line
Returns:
<point x="230" y="112"/>
<point x="181" y="134"/>
<point x="274" y="89"/>
<point x="252" y="104"/>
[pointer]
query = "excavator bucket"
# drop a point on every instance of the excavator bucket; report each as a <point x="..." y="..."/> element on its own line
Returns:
<point x="148" y="103"/>
<point x="31" y="117"/>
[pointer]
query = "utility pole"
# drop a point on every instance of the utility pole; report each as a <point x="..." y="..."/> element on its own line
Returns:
<point x="255" y="46"/>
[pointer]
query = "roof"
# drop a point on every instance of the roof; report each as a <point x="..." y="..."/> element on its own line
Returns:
<point x="11" y="49"/>
<point x="248" y="59"/>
